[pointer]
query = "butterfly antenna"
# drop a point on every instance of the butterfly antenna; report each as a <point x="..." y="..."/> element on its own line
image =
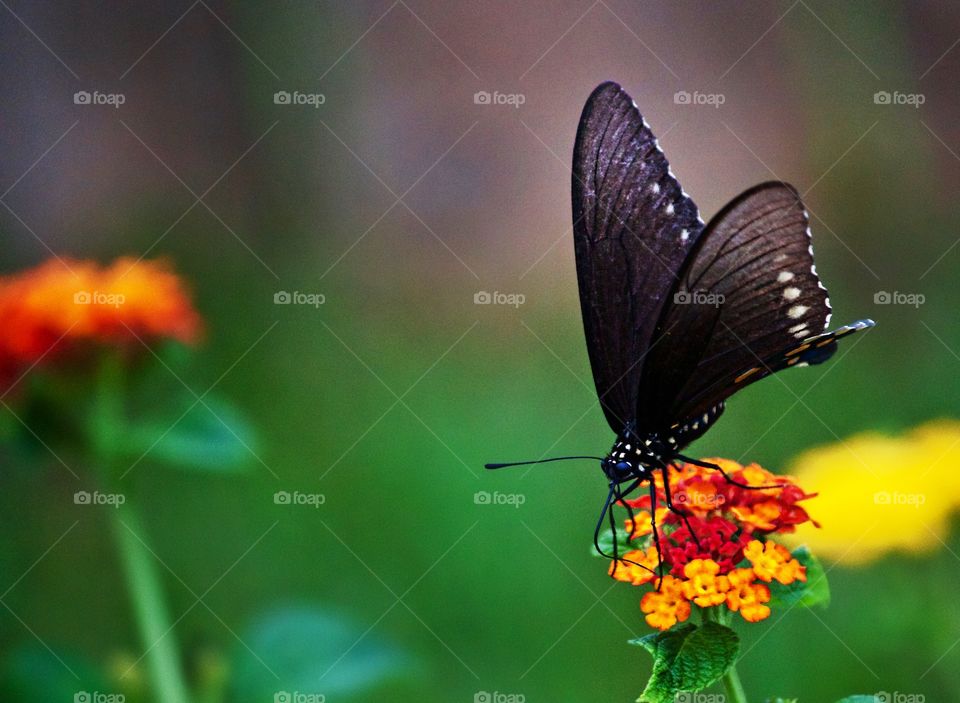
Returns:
<point x="540" y="461"/>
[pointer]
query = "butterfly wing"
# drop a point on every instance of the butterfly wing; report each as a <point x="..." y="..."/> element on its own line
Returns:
<point x="748" y="303"/>
<point x="633" y="228"/>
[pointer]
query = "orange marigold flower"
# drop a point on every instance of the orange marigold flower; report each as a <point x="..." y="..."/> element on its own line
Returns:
<point x="747" y="597"/>
<point x="627" y="569"/>
<point x="666" y="607"/>
<point x="703" y="585"/>
<point x="773" y="561"/>
<point x="62" y="301"/>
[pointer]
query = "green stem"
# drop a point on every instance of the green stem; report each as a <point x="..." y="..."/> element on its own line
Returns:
<point x="137" y="559"/>
<point x="730" y="678"/>
<point x="153" y="619"/>
<point x="733" y="687"/>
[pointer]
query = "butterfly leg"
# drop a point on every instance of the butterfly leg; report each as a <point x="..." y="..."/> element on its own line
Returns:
<point x="715" y="467"/>
<point x="656" y="535"/>
<point x="620" y="498"/>
<point x="608" y="510"/>
<point x="665" y="470"/>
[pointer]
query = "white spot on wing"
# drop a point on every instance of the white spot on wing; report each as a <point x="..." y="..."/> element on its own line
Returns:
<point x="797" y="311"/>
<point x="670" y="209"/>
<point x="654" y="188"/>
<point x="684" y="235"/>
<point x="791" y="293"/>
<point x="784" y="276"/>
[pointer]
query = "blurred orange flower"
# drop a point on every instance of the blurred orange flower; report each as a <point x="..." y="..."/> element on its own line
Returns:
<point x="60" y="303"/>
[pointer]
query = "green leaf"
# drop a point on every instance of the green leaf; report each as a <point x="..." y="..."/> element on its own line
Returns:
<point x="781" y="700"/>
<point x="605" y="540"/>
<point x="210" y="435"/>
<point x="688" y="658"/>
<point x="311" y="651"/>
<point x="859" y="698"/>
<point x="815" y="591"/>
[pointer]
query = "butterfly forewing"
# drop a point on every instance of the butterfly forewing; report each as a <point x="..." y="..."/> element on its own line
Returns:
<point x="747" y="296"/>
<point x="633" y="228"/>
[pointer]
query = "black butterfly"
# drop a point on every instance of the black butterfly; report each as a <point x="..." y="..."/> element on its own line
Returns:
<point x="679" y="315"/>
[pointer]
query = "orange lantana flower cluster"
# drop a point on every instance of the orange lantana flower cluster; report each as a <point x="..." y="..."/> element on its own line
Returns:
<point x="732" y="561"/>
<point x="61" y="305"/>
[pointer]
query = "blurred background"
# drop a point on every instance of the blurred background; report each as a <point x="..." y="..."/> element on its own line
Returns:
<point x="350" y="150"/>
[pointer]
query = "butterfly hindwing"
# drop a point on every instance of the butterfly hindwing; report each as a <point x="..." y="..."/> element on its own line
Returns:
<point x="748" y="296"/>
<point x="633" y="228"/>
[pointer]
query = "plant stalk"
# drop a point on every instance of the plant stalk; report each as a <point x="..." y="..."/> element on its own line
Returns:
<point x="153" y="618"/>
<point x="137" y="560"/>
<point x="730" y="678"/>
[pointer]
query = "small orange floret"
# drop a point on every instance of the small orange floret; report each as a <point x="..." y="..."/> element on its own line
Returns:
<point x="762" y="515"/>
<point x="627" y="568"/>
<point x="773" y="561"/>
<point x="666" y="607"/>
<point x="747" y="597"/>
<point x="641" y="524"/>
<point x="703" y="585"/>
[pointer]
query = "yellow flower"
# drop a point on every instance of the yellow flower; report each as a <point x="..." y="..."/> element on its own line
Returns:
<point x="879" y="493"/>
<point x="703" y="586"/>
<point x="666" y="607"/>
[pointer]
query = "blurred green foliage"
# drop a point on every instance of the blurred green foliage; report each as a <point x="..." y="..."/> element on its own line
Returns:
<point x="461" y="597"/>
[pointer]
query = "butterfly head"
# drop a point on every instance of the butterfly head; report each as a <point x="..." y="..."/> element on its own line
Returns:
<point x="635" y="456"/>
